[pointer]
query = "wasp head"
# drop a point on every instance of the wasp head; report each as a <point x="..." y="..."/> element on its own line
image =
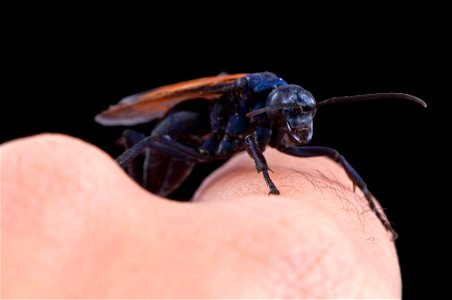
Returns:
<point x="293" y="108"/>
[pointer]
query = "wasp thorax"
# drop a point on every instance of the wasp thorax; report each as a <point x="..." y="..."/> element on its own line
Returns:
<point x="294" y="109"/>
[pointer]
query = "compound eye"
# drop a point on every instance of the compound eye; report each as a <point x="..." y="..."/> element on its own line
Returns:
<point x="307" y="100"/>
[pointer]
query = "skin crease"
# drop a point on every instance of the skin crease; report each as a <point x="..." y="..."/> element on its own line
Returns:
<point x="74" y="225"/>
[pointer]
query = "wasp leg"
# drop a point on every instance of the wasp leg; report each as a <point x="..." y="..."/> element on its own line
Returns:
<point x="311" y="151"/>
<point x="259" y="160"/>
<point x="182" y="151"/>
<point x="134" y="168"/>
<point x="133" y="151"/>
<point x="166" y="165"/>
<point x="166" y="144"/>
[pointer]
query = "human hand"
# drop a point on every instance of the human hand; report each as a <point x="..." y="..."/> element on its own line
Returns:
<point x="74" y="225"/>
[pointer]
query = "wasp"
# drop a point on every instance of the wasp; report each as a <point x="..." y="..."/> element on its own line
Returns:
<point x="212" y="118"/>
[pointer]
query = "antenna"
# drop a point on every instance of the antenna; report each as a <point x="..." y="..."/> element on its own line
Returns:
<point x="366" y="97"/>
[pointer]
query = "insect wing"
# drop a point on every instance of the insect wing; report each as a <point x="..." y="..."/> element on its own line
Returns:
<point x="153" y="104"/>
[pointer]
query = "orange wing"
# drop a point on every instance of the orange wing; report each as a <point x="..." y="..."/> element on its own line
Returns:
<point x="153" y="104"/>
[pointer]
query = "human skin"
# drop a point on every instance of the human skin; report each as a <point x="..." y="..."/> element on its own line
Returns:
<point x="74" y="225"/>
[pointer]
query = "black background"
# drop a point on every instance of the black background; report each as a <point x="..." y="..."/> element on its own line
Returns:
<point x="65" y="70"/>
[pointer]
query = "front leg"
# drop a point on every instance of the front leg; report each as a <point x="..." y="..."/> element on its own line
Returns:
<point x="260" y="162"/>
<point x="311" y="151"/>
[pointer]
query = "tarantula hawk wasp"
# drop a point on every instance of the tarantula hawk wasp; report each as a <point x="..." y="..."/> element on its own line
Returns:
<point x="212" y="118"/>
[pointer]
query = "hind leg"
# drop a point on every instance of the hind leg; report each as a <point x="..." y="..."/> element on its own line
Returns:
<point x="164" y="169"/>
<point x="135" y="167"/>
<point x="160" y="171"/>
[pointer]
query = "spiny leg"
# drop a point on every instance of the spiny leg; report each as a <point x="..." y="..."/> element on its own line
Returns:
<point x="260" y="162"/>
<point x="190" y="153"/>
<point x="131" y="153"/>
<point x="165" y="144"/>
<point x="135" y="168"/>
<point x="311" y="151"/>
